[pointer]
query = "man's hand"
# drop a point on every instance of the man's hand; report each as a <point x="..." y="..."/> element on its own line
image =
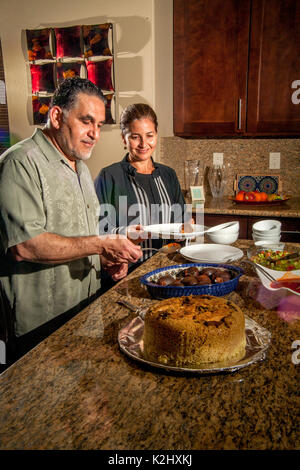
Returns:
<point x="118" y="249"/>
<point x="116" y="271"/>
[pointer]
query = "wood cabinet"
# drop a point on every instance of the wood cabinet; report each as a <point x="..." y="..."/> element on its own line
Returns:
<point x="290" y="228"/>
<point x="210" y="64"/>
<point x="236" y="67"/>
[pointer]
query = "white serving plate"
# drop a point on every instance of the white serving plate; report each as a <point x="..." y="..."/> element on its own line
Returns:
<point x="211" y="253"/>
<point x="172" y="231"/>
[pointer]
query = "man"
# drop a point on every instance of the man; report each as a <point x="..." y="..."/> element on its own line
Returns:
<point x="50" y="252"/>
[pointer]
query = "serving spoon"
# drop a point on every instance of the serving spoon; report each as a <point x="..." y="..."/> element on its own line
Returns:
<point x="170" y="248"/>
<point x="218" y="227"/>
<point x="259" y="268"/>
<point x="293" y="256"/>
<point x="140" y="311"/>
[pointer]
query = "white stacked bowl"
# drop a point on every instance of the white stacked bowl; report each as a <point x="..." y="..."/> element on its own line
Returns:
<point x="223" y="234"/>
<point x="267" y="230"/>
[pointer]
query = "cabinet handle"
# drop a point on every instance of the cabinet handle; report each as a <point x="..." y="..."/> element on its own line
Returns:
<point x="290" y="231"/>
<point x="240" y="115"/>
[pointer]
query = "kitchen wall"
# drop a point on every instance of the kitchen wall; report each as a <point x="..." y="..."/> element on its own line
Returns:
<point x="143" y="64"/>
<point x="246" y="157"/>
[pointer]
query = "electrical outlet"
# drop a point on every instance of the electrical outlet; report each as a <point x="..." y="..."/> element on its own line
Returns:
<point x="274" y="161"/>
<point x="218" y="158"/>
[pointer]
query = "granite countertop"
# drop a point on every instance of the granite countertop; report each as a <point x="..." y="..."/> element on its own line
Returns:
<point x="290" y="208"/>
<point x="77" y="390"/>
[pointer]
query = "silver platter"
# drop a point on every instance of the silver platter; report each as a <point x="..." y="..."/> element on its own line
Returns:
<point x="258" y="339"/>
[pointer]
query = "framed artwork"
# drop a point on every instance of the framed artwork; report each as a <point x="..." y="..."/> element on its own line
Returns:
<point x="68" y="43"/>
<point x="100" y="73"/>
<point x="67" y="70"/>
<point x="40" y="106"/>
<point x="42" y="78"/>
<point x="55" y="54"/>
<point x="264" y="183"/>
<point x="95" y="40"/>
<point x="39" y="44"/>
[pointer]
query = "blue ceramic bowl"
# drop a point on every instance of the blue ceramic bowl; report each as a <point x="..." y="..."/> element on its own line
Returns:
<point x="164" y="292"/>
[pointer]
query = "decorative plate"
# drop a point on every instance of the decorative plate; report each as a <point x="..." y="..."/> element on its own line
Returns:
<point x="269" y="184"/>
<point x="247" y="183"/>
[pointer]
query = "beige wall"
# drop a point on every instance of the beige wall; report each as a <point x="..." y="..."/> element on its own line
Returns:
<point x="143" y="62"/>
<point x="245" y="156"/>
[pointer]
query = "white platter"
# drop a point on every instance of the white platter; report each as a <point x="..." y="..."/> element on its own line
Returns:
<point x="172" y="231"/>
<point x="211" y="253"/>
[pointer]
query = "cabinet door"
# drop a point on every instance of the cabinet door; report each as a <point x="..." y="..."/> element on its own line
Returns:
<point x="274" y="68"/>
<point x="210" y="66"/>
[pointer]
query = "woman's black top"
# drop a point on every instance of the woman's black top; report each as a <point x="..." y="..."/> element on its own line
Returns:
<point x="130" y="198"/>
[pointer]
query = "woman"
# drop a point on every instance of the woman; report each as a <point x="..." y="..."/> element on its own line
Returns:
<point x="141" y="191"/>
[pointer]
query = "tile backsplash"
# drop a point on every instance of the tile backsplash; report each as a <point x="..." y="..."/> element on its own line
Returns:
<point x="246" y="156"/>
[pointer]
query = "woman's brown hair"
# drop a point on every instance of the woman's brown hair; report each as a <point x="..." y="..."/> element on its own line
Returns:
<point x="136" y="111"/>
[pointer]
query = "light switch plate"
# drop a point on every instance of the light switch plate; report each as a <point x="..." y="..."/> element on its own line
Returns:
<point x="274" y="161"/>
<point x="218" y="158"/>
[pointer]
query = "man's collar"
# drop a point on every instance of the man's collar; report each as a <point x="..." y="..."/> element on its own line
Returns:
<point x="45" y="144"/>
<point x="48" y="148"/>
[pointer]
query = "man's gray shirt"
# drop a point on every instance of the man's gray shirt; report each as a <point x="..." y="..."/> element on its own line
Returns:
<point x="39" y="193"/>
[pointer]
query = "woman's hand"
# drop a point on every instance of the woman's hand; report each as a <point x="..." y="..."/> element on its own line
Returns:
<point x="188" y="225"/>
<point x="136" y="234"/>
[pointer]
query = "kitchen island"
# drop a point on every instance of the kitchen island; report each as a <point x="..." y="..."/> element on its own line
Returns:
<point x="77" y="390"/>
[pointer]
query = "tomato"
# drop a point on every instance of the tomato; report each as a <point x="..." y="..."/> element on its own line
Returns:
<point x="240" y="196"/>
<point x="249" y="196"/>
<point x="257" y="196"/>
<point x="263" y="196"/>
